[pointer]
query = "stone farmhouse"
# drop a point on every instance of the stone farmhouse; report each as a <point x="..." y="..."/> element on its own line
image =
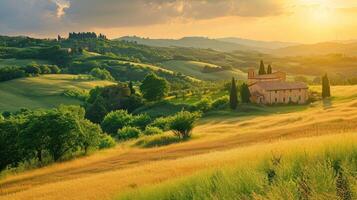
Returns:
<point x="274" y="89"/>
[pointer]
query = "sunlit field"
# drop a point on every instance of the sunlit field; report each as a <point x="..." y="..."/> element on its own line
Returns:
<point x="235" y="141"/>
<point x="42" y="92"/>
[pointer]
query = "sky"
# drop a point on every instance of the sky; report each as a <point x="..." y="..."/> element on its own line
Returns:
<point x="304" y="21"/>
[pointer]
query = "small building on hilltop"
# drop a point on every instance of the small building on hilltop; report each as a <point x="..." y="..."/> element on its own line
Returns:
<point x="274" y="89"/>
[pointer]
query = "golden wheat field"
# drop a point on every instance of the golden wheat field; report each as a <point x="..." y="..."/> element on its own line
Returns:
<point x="218" y="141"/>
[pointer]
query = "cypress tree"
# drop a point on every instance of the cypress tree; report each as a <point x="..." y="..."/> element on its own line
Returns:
<point x="245" y="93"/>
<point x="233" y="99"/>
<point x="262" y="68"/>
<point x="270" y="70"/>
<point x="326" y="91"/>
<point x="131" y="87"/>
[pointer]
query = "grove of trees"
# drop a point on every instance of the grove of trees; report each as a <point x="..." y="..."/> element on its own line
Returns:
<point x="48" y="135"/>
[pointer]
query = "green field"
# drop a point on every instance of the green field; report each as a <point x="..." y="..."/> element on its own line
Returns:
<point x="41" y="92"/>
<point x="194" y="69"/>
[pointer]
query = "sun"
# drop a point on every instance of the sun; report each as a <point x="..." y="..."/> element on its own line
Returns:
<point x="321" y="14"/>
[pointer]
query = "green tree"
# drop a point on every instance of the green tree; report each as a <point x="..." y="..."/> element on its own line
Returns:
<point x="116" y="120"/>
<point x="11" y="150"/>
<point x="183" y="122"/>
<point x="245" y="93"/>
<point x="92" y="135"/>
<point x="270" y="70"/>
<point x="154" y="88"/>
<point x="233" y="97"/>
<point x="326" y="90"/>
<point x="262" y="68"/>
<point x="131" y="87"/>
<point x="96" y="111"/>
<point x="63" y="133"/>
<point x="128" y="132"/>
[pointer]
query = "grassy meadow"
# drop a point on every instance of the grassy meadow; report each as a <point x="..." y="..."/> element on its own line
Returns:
<point x="42" y="92"/>
<point x="194" y="69"/>
<point x="278" y="152"/>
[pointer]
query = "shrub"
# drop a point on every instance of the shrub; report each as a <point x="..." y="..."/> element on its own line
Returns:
<point x="150" y="130"/>
<point x="54" y="69"/>
<point x="128" y="132"/>
<point x="106" y="142"/>
<point x="45" y="69"/>
<point x="162" y="123"/>
<point x="116" y="120"/>
<point x="101" y="74"/>
<point x="221" y="102"/>
<point x="157" y="141"/>
<point x="76" y="93"/>
<point x="183" y="123"/>
<point x="141" y="121"/>
<point x="204" y="105"/>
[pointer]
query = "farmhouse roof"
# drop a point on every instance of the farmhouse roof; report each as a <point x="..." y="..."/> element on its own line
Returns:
<point x="281" y="85"/>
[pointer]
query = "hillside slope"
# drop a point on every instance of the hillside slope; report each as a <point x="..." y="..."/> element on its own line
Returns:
<point x="42" y="92"/>
<point x="194" y="69"/>
<point x="107" y="174"/>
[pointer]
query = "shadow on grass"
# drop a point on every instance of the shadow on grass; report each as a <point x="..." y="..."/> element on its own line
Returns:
<point x="158" y="141"/>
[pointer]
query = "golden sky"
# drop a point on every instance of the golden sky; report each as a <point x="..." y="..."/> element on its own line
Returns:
<point x="306" y="21"/>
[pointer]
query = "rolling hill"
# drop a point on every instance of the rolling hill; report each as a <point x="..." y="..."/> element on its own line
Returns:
<point x="42" y="92"/>
<point x="195" y="42"/>
<point x="258" y="43"/>
<point x="224" y="140"/>
<point x="317" y="49"/>
<point x="194" y="69"/>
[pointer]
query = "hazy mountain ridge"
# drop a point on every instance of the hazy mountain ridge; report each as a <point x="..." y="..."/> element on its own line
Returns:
<point x="258" y="43"/>
<point x="318" y="49"/>
<point x="194" y="42"/>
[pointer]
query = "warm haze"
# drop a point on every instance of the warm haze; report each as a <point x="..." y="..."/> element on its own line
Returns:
<point x="178" y="99"/>
<point x="304" y="21"/>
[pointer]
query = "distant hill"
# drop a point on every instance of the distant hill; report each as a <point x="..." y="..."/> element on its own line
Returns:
<point x="257" y="43"/>
<point x="195" y="42"/>
<point x="318" y="49"/>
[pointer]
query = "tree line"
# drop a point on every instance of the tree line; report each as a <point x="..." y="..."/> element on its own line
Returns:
<point x="9" y="73"/>
<point x="49" y="135"/>
<point x="84" y="35"/>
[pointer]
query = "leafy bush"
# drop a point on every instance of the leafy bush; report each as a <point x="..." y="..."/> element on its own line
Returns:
<point x="128" y="132"/>
<point x="140" y="121"/>
<point x="162" y="123"/>
<point x="221" y="102"/>
<point x="204" y="105"/>
<point x="106" y="142"/>
<point x="101" y="74"/>
<point x="157" y="141"/>
<point x="183" y="123"/>
<point x="150" y="130"/>
<point x="9" y="73"/>
<point x="76" y="93"/>
<point x="116" y="120"/>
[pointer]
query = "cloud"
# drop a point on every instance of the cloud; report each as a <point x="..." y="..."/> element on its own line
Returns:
<point x="73" y="15"/>
<point x="61" y="7"/>
<point x="111" y="13"/>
